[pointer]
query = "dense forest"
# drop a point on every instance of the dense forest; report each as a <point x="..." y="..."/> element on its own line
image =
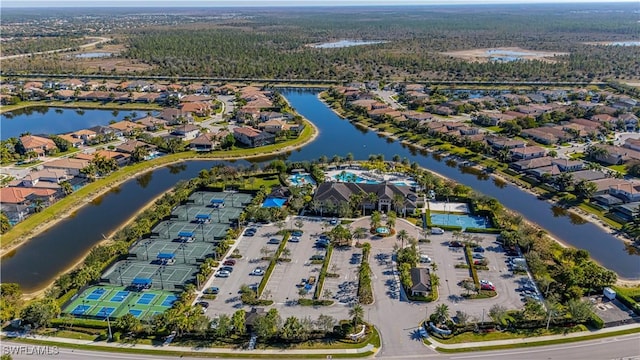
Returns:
<point x="275" y="43"/>
<point x="38" y="44"/>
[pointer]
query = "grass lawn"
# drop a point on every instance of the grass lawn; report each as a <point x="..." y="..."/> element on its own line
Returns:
<point x="590" y="209"/>
<point x="619" y="168"/>
<point x="70" y="151"/>
<point x="497" y="335"/>
<point x="541" y="343"/>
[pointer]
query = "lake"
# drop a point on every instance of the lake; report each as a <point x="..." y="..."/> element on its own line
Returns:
<point x="346" y="43"/>
<point x="93" y="55"/>
<point x="68" y="241"/>
<point x="46" y="120"/>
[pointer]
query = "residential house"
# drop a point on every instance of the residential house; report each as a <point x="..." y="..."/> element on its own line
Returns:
<point x="523" y="165"/>
<point x="630" y="121"/>
<point x="175" y="116"/>
<point x="587" y="175"/>
<point x="151" y="123"/>
<point x="204" y="143"/>
<point x="271" y="115"/>
<point x="633" y="144"/>
<point x="420" y="282"/>
<point x="528" y="152"/>
<point x="198" y="108"/>
<point x="616" y="155"/>
<point x="603" y="185"/>
<point x="253" y="137"/>
<point x="604" y="119"/>
<point x="120" y="158"/>
<point x="567" y="165"/>
<point x="629" y="191"/>
<point x="627" y="211"/>
<point x="186" y="132"/>
<point x="497" y="142"/>
<point x="70" y="165"/>
<point x="130" y="146"/>
<point x="18" y="202"/>
<point x="491" y="118"/>
<point x="75" y="142"/>
<point x="127" y="127"/>
<point x="38" y="144"/>
<point x="50" y="178"/>
<point x="85" y="135"/>
<point x="196" y="98"/>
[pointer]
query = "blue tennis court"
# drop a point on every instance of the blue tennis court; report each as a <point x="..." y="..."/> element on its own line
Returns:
<point x="80" y="309"/>
<point x="96" y="294"/>
<point x="169" y="300"/>
<point x="135" y="312"/>
<point x="120" y="296"/>
<point x="106" y="311"/>
<point x="146" y="299"/>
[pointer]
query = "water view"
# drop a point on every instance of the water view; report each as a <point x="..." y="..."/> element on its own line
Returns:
<point x="72" y="238"/>
<point x="46" y="120"/>
<point x="625" y="43"/>
<point x="93" y="55"/>
<point x="346" y="43"/>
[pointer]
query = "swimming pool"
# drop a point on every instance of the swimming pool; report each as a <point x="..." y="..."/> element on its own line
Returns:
<point x="301" y="179"/>
<point x="466" y="221"/>
<point x="346" y="176"/>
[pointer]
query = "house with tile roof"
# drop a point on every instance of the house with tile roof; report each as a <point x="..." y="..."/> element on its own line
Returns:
<point x="338" y="192"/>
<point x="253" y="137"/>
<point x="38" y="144"/>
<point x="18" y="202"/>
<point x="70" y="165"/>
<point x="130" y="146"/>
<point x="127" y="127"/>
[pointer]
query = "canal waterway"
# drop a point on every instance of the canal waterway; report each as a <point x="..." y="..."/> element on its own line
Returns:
<point x="46" y="120"/>
<point x="36" y="263"/>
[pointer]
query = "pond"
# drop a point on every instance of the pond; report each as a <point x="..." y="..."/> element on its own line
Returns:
<point x="93" y="55"/>
<point x="346" y="43"/>
<point x="46" y="120"/>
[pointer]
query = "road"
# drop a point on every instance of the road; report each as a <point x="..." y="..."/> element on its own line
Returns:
<point x="625" y="347"/>
<point x="99" y="41"/>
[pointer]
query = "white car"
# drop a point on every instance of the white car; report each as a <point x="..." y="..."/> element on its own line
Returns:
<point x="257" y="272"/>
<point x="223" y="274"/>
<point x="294" y="239"/>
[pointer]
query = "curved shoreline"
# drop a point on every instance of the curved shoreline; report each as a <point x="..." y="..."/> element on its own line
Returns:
<point x="621" y="281"/>
<point x="42" y="227"/>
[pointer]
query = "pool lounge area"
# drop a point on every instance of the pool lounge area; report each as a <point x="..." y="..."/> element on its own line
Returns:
<point x="301" y="179"/>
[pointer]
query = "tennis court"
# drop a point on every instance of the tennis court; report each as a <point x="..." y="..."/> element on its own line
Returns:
<point x="116" y="301"/>
<point x="168" y="277"/>
<point x="149" y="250"/>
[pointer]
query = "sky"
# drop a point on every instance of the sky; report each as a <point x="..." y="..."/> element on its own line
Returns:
<point x="270" y="3"/>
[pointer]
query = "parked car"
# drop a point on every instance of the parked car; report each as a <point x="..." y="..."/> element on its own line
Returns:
<point x="230" y="262"/>
<point x="227" y="268"/>
<point x="250" y="232"/>
<point x="257" y="272"/>
<point x="478" y="256"/>
<point x="294" y="239"/>
<point x="437" y="231"/>
<point x="223" y="274"/>
<point x="479" y="249"/>
<point x="425" y="259"/>
<point x="212" y="290"/>
<point x="333" y="221"/>
<point x="487" y="287"/>
<point x="204" y="305"/>
<point x="273" y="241"/>
<point x="455" y="244"/>
<point x="317" y="257"/>
<point x="296" y="233"/>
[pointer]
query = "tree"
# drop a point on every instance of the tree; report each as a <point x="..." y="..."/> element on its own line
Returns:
<point x="402" y="236"/>
<point x="5" y="225"/>
<point x="128" y="323"/>
<point x="357" y="315"/>
<point x="533" y="310"/>
<point x="41" y="312"/>
<point x="286" y="253"/>
<point x="376" y="219"/>
<point x="222" y="325"/>
<point x="62" y="144"/>
<point x="325" y="322"/>
<point x="586" y="189"/>
<point x="267" y="326"/>
<point x="441" y="313"/>
<point x="238" y="320"/>
<point x="633" y="168"/>
<point x="293" y="330"/>
<point x="498" y="313"/>
<point x="66" y="187"/>
<point x="462" y="317"/>
<point x="140" y="153"/>
<point x="359" y="233"/>
<point x="579" y="310"/>
<point x="10" y="301"/>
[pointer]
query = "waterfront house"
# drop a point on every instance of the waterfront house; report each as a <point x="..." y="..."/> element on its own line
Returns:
<point x="528" y="164"/>
<point x="70" y="165"/>
<point x="528" y="152"/>
<point x="151" y="123"/>
<point x="126" y="127"/>
<point x="567" y="165"/>
<point x="204" y="143"/>
<point x="18" y="202"/>
<point x="120" y="158"/>
<point x="498" y="142"/>
<point x="75" y="142"/>
<point x="37" y="144"/>
<point x="629" y="191"/>
<point x="130" y="146"/>
<point x="252" y="137"/>
<point x="186" y="132"/>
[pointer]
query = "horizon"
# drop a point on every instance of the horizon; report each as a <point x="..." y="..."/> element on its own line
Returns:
<point x="26" y="4"/>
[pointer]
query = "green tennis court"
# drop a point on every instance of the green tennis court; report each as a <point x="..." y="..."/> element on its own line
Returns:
<point x="148" y="250"/>
<point x="168" y="277"/>
<point x="115" y="301"/>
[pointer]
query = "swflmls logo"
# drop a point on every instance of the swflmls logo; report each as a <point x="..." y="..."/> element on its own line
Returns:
<point x="32" y="350"/>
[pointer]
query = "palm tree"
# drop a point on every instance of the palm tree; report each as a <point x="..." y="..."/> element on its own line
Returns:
<point x="375" y="219"/>
<point x="356" y="313"/>
<point x="286" y="253"/>
<point x="398" y="204"/>
<point x="66" y="187"/>
<point x="442" y="313"/>
<point x="359" y="233"/>
<point x="391" y="219"/>
<point x="402" y="236"/>
<point x="373" y="199"/>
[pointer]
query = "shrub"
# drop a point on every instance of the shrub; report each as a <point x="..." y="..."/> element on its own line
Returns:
<point x="595" y="321"/>
<point x="310" y="302"/>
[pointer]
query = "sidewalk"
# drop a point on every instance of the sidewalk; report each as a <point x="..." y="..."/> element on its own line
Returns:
<point x="529" y="340"/>
<point x="364" y="349"/>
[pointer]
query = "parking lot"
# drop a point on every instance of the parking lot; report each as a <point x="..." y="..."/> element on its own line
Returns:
<point x="345" y="262"/>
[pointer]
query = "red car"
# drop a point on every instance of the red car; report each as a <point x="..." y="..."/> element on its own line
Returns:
<point x="487" y="287"/>
<point x="229" y="262"/>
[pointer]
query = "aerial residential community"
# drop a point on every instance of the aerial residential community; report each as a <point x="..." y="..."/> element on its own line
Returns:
<point x="282" y="183"/>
